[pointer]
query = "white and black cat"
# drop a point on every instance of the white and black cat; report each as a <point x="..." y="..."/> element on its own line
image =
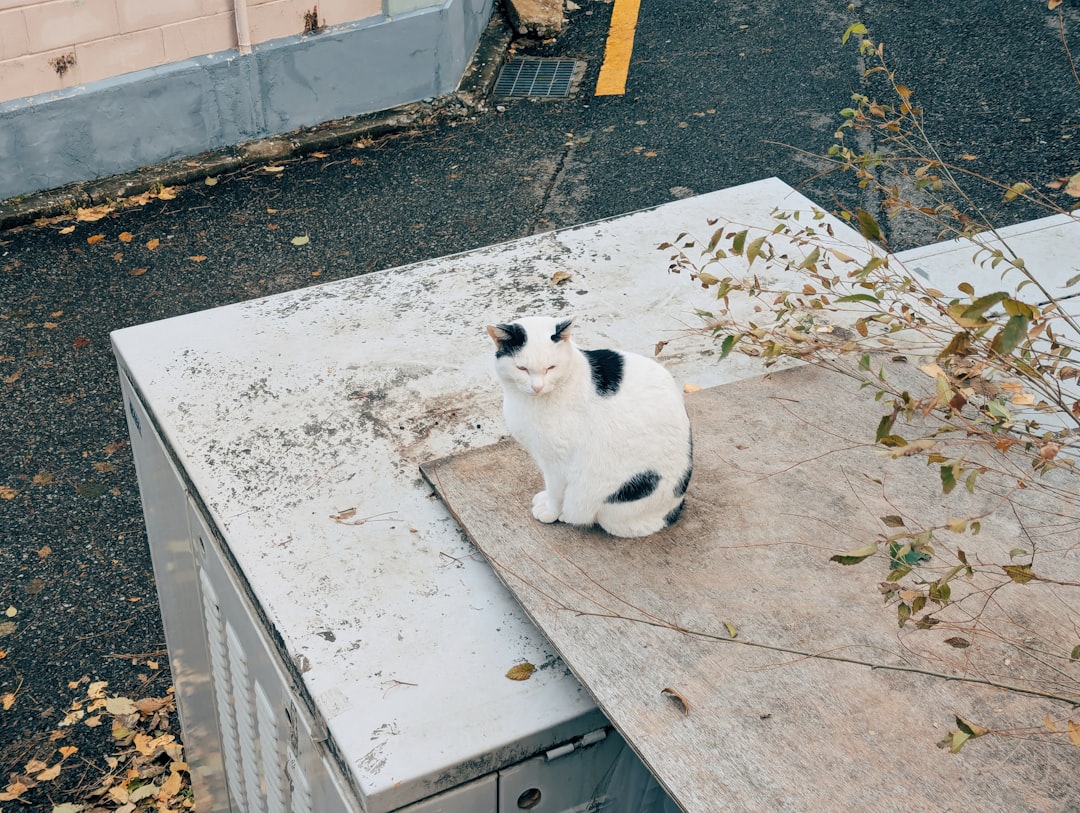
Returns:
<point x="607" y="428"/>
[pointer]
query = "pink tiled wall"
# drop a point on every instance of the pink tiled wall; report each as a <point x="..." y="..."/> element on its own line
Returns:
<point x="47" y="45"/>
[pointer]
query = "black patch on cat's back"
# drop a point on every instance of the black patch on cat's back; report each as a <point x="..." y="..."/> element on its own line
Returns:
<point x="514" y="341"/>
<point x="607" y="370"/>
<point x="638" y="487"/>
<point x="673" y="515"/>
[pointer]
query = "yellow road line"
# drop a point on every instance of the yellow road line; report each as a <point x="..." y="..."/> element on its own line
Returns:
<point x="620" y="44"/>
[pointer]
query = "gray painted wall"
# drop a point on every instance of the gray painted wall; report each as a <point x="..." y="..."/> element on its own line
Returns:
<point x="202" y="104"/>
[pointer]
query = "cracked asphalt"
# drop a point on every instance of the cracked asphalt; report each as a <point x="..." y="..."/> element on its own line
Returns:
<point x="719" y="93"/>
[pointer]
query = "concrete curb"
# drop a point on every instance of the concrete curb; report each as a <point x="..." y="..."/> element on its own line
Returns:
<point x="470" y="97"/>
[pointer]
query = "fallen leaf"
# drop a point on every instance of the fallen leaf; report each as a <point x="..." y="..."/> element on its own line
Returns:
<point x="49" y="774"/>
<point x="11" y="612"/>
<point x="126" y="237"/>
<point x="678" y="698"/>
<point x="319" y="155"/>
<point x="93" y="239"/>
<point x="521" y="671"/>
<point x="96" y="690"/>
<point x="136" y="272"/>
<point x="80" y="342"/>
<point x="120" y="706"/>
<point x="274" y="169"/>
<point x="7" y="701"/>
<point x="348" y="513"/>
<point x="68" y="807"/>
<point x="92" y="213"/>
<point x="560" y="276"/>
<point x="968" y="156"/>
<point x="93" y="722"/>
<point x="198" y="258"/>
<point x="7" y="492"/>
<point x="11" y="379"/>
<point x="67" y="230"/>
<point x="50" y="325"/>
<point x="171" y="786"/>
<point x="14" y="791"/>
<point x="650" y="154"/>
<point x="691" y="388"/>
<point x="7" y="627"/>
<point x="44" y="551"/>
<point x="958" y="643"/>
<point x="210" y="181"/>
<point x="1073" y="186"/>
<point x="152" y="243"/>
<point x="300" y="241"/>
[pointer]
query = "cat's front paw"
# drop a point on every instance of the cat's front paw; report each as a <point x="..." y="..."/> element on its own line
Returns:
<point x="543" y="509"/>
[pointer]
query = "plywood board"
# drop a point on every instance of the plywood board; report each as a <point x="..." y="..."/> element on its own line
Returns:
<point x="821" y="701"/>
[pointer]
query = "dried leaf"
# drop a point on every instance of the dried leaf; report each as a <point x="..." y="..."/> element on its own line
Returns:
<point x="67" y="230"/>
<point x="92" y="213"/>
<point x="560" y="276"/>
<point x="96" y="690"/>
<point x="68" y="807"/>
<point x="126" y="237"/>
<point x="152" y="244"/>
<point x="1073" y="186"/>
<point x="210" y="181"/>
<point x="7" y="701"/>
<point x="166" y="193"/>
<point x="521" y="671"/>
<point x="138" y="272"/>
<point x="853" y="557"/>
<point x="1021" y="574"/>
<point x="691" y="388"/>
<point x="958" y="643"/>
<point x="340" y="516"/>
<point x="274" y="169"/>
<point x="1074" y="733"/>
<point x="94" y="239"/>
<point x="303" y="240"/>
<point x="198" y="258"/>
<point x="119" y="706"/>
<point x="893" y="521"/>
<point x="678" y="698"/>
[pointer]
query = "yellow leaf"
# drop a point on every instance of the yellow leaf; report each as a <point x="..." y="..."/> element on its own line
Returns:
<point x="198" y="258"/>
<point x="49" y="773"/>
<point x="93" y="722"/>
<point x="50" y="325"/>
<point x="126" y="237"/>
<point x="95" y="238"/>
<point x="1073" y="186"/>
<point x="67" y="230"/>
<point x="274" y="169"/>
<point x="120" y="705"/>
<point x="969" y="157"/>
<point x="210" y="181"/>
<point x="300" y="241"/>
<point x="1074" y="733"/>
<point x="166" y="193"/>
<point x="650" y="154"/>
<point x="1053" y="4"/>
<point x="152" y="243"/>
<point x="691" y="388"/>
<point x="92" y="213"/>
<point x="171" y="786"/>
<point x="11" y="612"/>
<point x="319" y="155"/>
<point x="7" y="493"/>
<point x="14" y="791"/>
<point x="96" y="689"/>
<point x="67" y="751"/>
<point x="521" y="671"/>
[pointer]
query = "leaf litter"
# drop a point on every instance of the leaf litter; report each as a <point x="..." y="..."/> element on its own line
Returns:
<point x="143" y="771"/>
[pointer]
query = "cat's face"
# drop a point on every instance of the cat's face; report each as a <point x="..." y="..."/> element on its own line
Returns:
<point x="532" y="355"/>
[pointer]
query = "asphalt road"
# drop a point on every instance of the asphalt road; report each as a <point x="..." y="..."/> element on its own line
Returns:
<point x="718" y="93"/>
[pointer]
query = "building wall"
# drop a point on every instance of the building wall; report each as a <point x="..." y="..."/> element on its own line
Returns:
<point x="152" y="80"/>
<point x="49" y="45"/>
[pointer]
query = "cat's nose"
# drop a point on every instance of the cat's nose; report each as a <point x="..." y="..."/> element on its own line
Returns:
<point x="537" y="384"/>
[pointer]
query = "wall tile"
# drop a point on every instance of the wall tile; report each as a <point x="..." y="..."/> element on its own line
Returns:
<point x="198" y="37"/>
<point x="66" y="22"/>
<point x="120" y="54"/>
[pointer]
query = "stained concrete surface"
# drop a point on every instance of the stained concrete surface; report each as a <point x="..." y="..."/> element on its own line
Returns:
<point x="715" y="91"/>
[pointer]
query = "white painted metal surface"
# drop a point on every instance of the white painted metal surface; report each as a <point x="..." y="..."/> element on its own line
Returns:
<point x="286" y="412"/>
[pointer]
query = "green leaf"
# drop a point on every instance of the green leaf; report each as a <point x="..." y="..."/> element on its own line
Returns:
<point x="734" y="633"/>
<point x="977" y="308"/>
<point x="1021" y="574"/>
<point x="300" y="241"/>
<point x="853" y="557"/>
<point x="854" y="28"/>
<point x="948" y="478"/>
<point x="1014" y="332"/>
<point x="1017" y="552"/>
<point x="884" y="427"/>
<point x="753" y="251"/>
<point x="864" y="361"/>
<point x="954" y="741"/>
<point x="892" y="441"/>
<point x="738" y="242"/>
<point x="868" y="227"/>
<point x="1075" y="654"/>
<point x="858" y="298"/>
<point x="726" y="345"/>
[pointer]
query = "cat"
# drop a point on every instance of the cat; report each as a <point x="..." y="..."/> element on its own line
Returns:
<point x="608" y="429"/>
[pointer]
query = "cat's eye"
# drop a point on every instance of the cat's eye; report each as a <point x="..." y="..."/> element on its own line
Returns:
<point x="523" y="369"/>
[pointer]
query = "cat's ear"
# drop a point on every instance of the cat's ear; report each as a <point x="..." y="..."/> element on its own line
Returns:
<point x="562" y="330"/>
<point x="508" y="338"/>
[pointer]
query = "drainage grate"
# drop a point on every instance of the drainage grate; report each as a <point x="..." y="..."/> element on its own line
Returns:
<point x="545" y="78"/>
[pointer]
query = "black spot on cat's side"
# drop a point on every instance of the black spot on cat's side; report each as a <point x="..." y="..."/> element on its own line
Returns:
<point x="607" y="370"/>
<point x="637" y="487"/>
<point x="673" y="515"/>
<point x="514" y="341"/>
<point x="684" y="483"/>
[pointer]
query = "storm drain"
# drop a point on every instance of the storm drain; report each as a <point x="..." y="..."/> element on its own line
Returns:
<point x="544" y="78"/>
